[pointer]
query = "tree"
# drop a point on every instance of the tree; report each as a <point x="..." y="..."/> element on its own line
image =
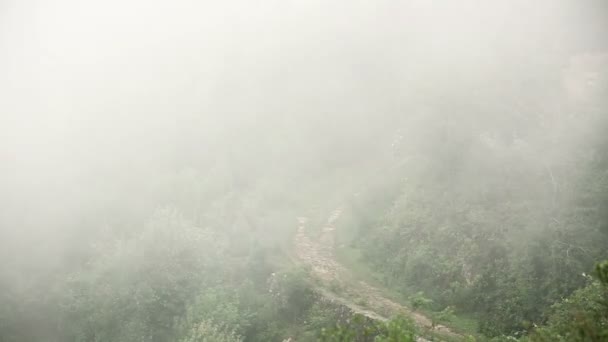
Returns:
<point x="359" y="328"/>
<point x="582" y="317"/>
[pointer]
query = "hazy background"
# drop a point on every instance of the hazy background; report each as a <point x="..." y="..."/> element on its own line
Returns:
<point x="109" y="110"/>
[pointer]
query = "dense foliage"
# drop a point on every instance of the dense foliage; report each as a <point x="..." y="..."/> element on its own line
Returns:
<point x="583" y="316"/>
<point x="154" y="196"/>
<point x="399" y="329"/>
<point x="481" y="222"/>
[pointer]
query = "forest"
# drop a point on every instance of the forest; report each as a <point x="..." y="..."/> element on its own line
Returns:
<point x="208" y="171"/>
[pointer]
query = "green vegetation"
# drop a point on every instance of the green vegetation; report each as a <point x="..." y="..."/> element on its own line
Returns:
<point x="583" y="316"/>
<point x="173" y="172"/>
<point x="399" y="329"/>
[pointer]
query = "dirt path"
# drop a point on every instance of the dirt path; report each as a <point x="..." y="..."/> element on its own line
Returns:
<point x="362" y="298"/>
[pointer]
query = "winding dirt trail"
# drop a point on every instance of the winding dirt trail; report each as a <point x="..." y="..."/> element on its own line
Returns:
<point x="359" y="296"/>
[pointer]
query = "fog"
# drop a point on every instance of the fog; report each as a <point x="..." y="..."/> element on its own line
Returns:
<point x="242" y="115"/>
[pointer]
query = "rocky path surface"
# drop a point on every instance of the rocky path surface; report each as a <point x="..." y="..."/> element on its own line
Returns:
<point x="360" y="297"/>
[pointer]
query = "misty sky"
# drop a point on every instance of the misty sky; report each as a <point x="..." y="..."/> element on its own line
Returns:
<point x="101" y="98"/>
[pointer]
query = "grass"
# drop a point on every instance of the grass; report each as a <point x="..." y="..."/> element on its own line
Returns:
<point x="463" y="324"/>
<point x="361" y="302"/>
<point x="352" y="259"/>
<point x="459" y="323"/>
